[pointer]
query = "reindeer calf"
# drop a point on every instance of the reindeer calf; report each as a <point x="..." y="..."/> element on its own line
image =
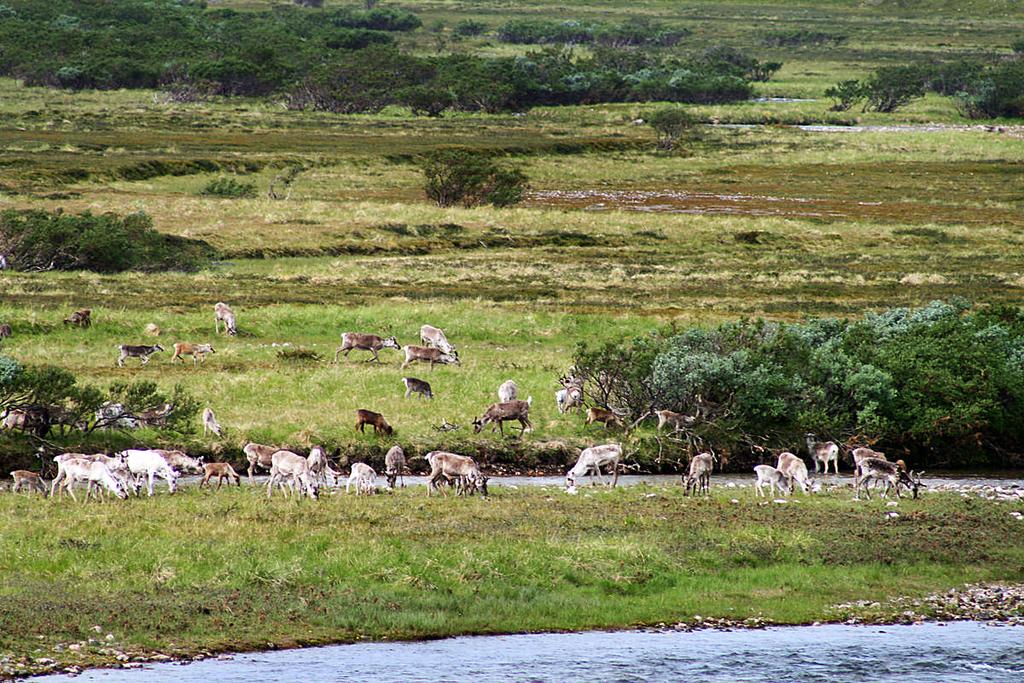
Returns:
<point x="141" y="352"/>
<point x="221" y="470"/>
<point x="368" y="417"/>
<point x="197" y="351"/>
<point x="24" y="479"/>
<point x="607" y="417"/>
<point x="417" y="386"/>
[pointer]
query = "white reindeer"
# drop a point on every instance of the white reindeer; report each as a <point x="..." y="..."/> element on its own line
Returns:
<point x="434" y="337"/>
<point x="364" y="477"/>
<point x="222" y="313"/>
<point x="151" y="464"/>
<point x="508" y="391"/>
<point x="288" y="467"/>
<point x="794" y="470"/>
<point x="766" y="474"/>
<point x="210" y="423"/>
<point x="91" y="472"/>
<point x="591" y="461"/>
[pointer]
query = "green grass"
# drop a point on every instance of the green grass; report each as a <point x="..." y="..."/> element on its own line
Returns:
<point x="234" y="571"/>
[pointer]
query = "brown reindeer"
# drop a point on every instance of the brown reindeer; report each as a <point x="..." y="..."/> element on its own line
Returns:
<point x="221" y="470"/>
<point x="499" y="413"/>
<point x="23" y="479"/>
<point x="81" y="318"/>
<point x="364" y="342"/>
<point x="603" y="415"/>
<point x="428" y="355"/>
<point x="368" y="417"/>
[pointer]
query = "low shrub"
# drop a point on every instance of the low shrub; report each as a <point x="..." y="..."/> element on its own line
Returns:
<point x="229" y="188"/>
<point x="457" y="176"/>
<point x="37" y="240"/>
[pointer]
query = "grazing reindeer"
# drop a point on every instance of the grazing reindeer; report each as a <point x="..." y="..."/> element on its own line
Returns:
<point x="368" y="417"/>
<point x="822" y="453"/>
<point x="197" y="351"/>
<point x="699" y="475"/>
<point x="434" y="337"/>
<point x="141" y="352"/>
<point x="210" y="423"/>
<point x="428" y="355"/>
<point x="508" y="391"/>
<point x="859" y="454"/>
<point x="151" y="464"/>
<point x="591" y="461"/>
<point x="258" y="455"/>
<point x="91" y="472"/>
<point x="180" y="460"/>
<point x="877" y="469"/>
<point x="459" y="468"/>
<point x="500" y="413"/>
<point x="221" y="470"/>
<point x="394" y="466"/>
<point x="417" y="386"/>
<point x="319" y="467"/>
<point x="364" y="477"/>
<point x="80" y="318"/>
<point x="364" y="342"/>
<point x="286" y="465"/>
<point x="677" y="421"/>
<point x="766" y="474"/>
<point x="608" y="417"/>
<point x="794" y="470"/>
<point x="23" y="479"/>
<point x="222" y="313"/>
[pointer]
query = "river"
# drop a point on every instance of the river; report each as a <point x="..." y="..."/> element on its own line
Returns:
<point x="964" y="652"/>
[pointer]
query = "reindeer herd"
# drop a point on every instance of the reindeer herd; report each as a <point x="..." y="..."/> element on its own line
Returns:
<point x="124" y="473"/>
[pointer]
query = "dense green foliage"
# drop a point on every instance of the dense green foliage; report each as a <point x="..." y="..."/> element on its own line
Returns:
<point x="229" y="188"/>
<point x="37" y="240"/>
<point x="456" y="176"/>
<point x="638" y="31"/>
<point x="998" y="91"/>
<point x="368" y="80"/>
<point x="147" y="43"/>
<point x="671" y="124"/>
<point x="942" y="381"/>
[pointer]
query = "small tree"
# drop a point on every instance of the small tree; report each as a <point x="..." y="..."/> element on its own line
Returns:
<point x="845" y="94"/>
<point x="671" y="124"/>
<point x="458" y="176"/>
<point x="892" y="87"/>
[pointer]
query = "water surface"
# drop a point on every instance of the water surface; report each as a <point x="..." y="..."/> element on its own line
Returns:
<point x="965" y="652"/>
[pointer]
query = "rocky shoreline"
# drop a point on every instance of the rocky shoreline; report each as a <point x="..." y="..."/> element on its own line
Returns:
<point x="997" y="603"/>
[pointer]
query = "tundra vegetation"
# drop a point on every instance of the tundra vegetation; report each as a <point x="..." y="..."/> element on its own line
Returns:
<point x="770" y="273"/>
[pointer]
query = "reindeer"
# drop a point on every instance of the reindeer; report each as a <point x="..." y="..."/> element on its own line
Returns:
<point x="591" y="461"/>
<point x="210" y="423"/>
<point x="570" y="396"/>
<point x="434" y="337"/>
<point x="222" y="471"/>
<point x="180" y="460"/>
<point x="222" y="313"/>
<point x="608" y="417"/>
<point x="197" y="351"/>
<point x="151" y="464"/>
<point x="23" y="479"/>
<point x="394" y="466"/>
<point x="859" y="454"/>
<point x="417" y="386"/>
<point x="459" y="468"/>
<point x="766" y="474"/>
<point x="794" y="470"/>
<point x="80" y="318"/>
<point x="428" y="355"/>
<point x="499" y="413"/>
<point x="365" y="342"/>
<point x="258" y="455"/>
<point x="508" y="391"/>
<point x="699" y="475"/>
<point x="822" y="453"/>
<point x="878" y="469"/>
<point x="142" y="352"/>
<point x="677" y="421"/>
<point x="364" y="477"/>
<point x="368" y="417"/>
<point x="5" y="331"/>
<point x="91" y="472"/>
<point x="288" y="465"/>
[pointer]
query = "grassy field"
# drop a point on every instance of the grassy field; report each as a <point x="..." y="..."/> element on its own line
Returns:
<point x="239" y="572"/>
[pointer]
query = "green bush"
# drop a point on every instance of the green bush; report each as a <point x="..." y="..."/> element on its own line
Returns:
<point x="938" y="381"/>
<point x="845" y="94"/>
<point x="469" y="27"/>
<point x="670" y="124"/>
<point x="892" y="87"/>
<point x="998" y="91"/>
<point x="229" y="188"/>
<point x="457" y="176"/>
<point x="38" y="240"/>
